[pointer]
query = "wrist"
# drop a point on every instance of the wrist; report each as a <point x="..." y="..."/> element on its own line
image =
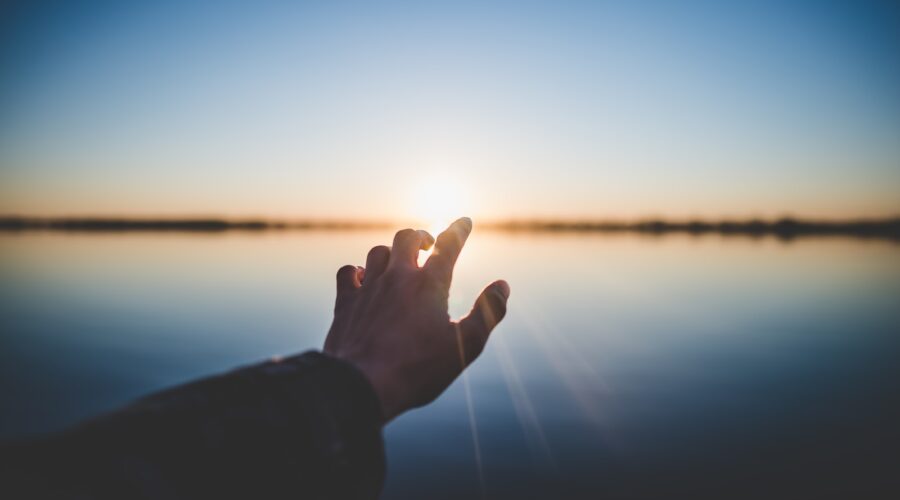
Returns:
<point x="385" y="392"/>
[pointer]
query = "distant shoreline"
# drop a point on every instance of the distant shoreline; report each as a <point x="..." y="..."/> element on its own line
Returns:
<point x="785" y="228"/>
<point x="188" y="224"/>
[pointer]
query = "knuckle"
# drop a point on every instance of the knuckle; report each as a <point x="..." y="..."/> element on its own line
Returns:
<point x="399" y="273"/>
<point x="499" y="309"/>
<point x="474" y="345"/>
<point x="439" y="277"/>
<point x="450" y="238"/>
<point x="388" y="284"/>
<point x="390" y="274"/>
<point x="491" y="308"/>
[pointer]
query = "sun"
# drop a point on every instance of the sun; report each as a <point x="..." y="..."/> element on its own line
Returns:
<point x="438" y="200"/>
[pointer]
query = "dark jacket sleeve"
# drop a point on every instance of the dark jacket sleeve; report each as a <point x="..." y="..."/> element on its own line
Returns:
<point x="307" y="426"/>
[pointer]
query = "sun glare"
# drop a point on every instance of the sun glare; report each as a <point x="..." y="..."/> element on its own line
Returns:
<point x="438" y="201"/>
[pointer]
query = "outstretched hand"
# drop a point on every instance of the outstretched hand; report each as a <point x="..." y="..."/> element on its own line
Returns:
<point x="391" y="320"/>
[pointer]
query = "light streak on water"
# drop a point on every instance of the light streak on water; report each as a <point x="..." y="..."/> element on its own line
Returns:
<point x="531" y="425"/>
<point x="577" y="374"/>
<point x="473" y="426"/>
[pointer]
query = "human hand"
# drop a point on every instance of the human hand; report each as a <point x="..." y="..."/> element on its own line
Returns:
<point x="391" y="320"/>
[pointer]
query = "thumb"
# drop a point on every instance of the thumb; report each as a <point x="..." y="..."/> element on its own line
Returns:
<point x="474" y="329"/>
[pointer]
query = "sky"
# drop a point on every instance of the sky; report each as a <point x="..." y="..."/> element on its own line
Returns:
<point x="493" y="109"/>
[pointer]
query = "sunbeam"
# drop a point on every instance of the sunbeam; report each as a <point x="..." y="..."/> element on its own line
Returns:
<point x="575" y="372"/>
<point x="473" y="426"/>
<point x="531" y="425"/>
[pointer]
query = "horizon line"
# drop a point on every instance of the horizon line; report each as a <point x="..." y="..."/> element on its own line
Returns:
<point x="783" y="227"/>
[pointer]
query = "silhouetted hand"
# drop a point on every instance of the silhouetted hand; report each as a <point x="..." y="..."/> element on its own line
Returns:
<point x="391" y="321"/>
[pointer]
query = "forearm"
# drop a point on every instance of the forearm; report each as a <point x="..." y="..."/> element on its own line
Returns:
<point x="308" y="426"/>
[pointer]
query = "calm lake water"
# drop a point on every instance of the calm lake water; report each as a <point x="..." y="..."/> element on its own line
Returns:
<point x="628" y="366"/>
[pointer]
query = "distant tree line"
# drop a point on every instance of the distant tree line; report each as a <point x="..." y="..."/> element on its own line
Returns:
<point x="785" y="228"/>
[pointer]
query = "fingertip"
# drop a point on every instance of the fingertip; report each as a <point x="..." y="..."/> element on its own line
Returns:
<point x="427" y="239"/>
<point x="465" y="223"/>
<point x="495" y="297"/>
<point x="501" y="287"/>
<point x="346" y="271"/>
<point x="376" y="262"/>
<point x="379" y="252"/>
<point x="347" y="277"/>
<point x="488" y="311"/>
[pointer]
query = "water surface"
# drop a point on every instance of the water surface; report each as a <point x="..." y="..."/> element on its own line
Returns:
<point x="628" y="366"/>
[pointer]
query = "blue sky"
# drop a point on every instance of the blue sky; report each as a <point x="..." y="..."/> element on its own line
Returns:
<point x="530" y="109"/>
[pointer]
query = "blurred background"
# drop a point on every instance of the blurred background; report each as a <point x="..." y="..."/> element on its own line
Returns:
<point x="632" y="364"/>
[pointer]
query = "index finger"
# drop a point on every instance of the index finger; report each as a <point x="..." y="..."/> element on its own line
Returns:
<point x="447" y="248"/>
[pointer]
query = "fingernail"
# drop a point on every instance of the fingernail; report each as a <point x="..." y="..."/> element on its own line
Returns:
<point x="466" y="221"/>
<point x="428" y="237"/>
<point x="503" y="288"/>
